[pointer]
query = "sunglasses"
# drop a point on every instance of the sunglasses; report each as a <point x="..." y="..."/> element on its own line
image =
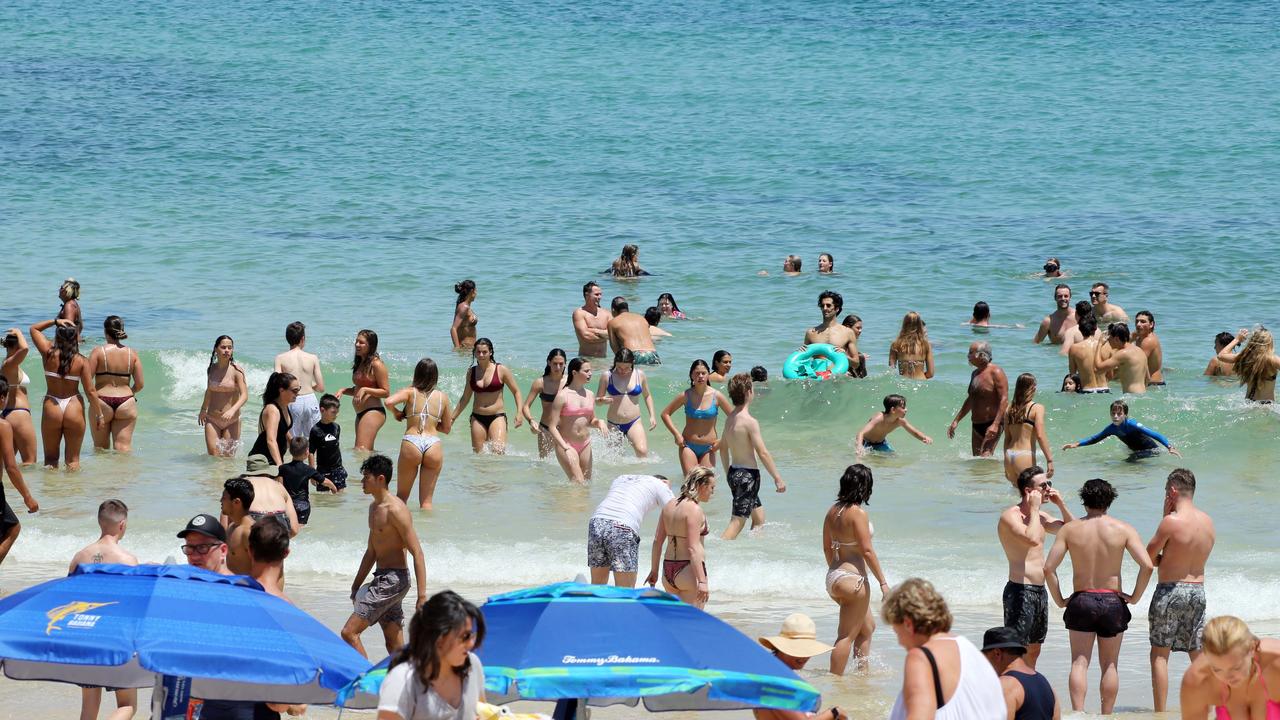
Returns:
<point x="201" y="549"/>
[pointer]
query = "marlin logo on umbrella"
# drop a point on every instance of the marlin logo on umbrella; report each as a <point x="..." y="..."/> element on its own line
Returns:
<point x="76" y="608"/>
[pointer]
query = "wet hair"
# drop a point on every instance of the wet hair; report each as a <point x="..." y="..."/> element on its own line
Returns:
<point x="1253" y="363"/>
<point x="294" y="333"/>
<point x="739" y="386"/>
<point x="670" y="298"/>
<point x="1083" y="308"/>
<point x="1227" y="633"/>
<point x="983" y="350"/>
<point x="1097" y="494"/>
<point x="113" y="328"/>
<point x="1053" y="261"/>
<point x="1222" y="340"/>
<point x="623" y="356"/>
<point x="911" y="340"/>
<point x="1120" y="405"/>
<point x="1148" y="315"/>
<point x="1075" y="378"/>
<point x="278" y="382"/>
<point x="463" y="289"/>
<point x="829" y="258"/>
<point x="1061" y="286"/>
<point x="718" y="356"/>
<point x="893" y="401"/>
<point x="851" y="320"/>
<point x="586" y="289"/>
<point x="619" y="305"/>
<point x="759" y="373"/>
<point x="981" y="310"/>
<point x="574" y="366"/>
<point x="1088" y="326"/>
<point x="329" y="401"/>
<point x="1020" y="404"/>
<point x="694" y="366"/>
<point x="1182" y="480"/>
<point x="213" y="356"/>
<point x="425" y="375"/>
<point x="112" y="512"/>
<point x="1119" y="331"/>
<point x="487" y="343"/>
<point x="268" y="542"/>
<point x="239" y="488"/>
<point x="66" y="342"/>
<point x="1102" y="285"/>
<point x="856" y="485"/>
<point x="443" y="613"/>
<point x="71" y="288"/>
<point x="697" y="477"/>
<point x="377" y="465"/>
<point x="834" y="296"/>
<point x="917" y="600"/>
<point x="4" y="389"/>
<point x="795" y="261"/>
<point x="555" y="353"/>
<point x="299" y="445"/>
<point x="653" y="315"/>
<point x="1027" y="478"/>
<point x="627" y="264"/>
<point x="364" y="365"/>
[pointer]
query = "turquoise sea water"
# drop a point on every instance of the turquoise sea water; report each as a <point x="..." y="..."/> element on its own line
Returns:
<point x="206" y="169"/>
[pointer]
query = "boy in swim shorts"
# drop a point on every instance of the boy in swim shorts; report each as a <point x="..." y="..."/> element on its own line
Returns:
<point x="874" y="435"/>
<point x="740" y="446"/>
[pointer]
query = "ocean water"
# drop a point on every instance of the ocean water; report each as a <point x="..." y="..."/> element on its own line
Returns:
<point x="228" y="168"/>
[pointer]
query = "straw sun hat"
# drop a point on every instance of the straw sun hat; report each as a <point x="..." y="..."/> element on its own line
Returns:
<point x="797" y="639"/>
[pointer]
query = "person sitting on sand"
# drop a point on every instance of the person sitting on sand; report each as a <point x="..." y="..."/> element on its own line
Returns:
<point x="873" y="435"/>
<point x="1141" y="440"/>
<point x="794" y="646"/>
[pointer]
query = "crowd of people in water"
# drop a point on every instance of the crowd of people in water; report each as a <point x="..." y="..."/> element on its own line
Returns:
<point x="297" y="450"/>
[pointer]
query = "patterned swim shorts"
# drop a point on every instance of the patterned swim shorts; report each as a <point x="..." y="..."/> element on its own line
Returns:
<point x="1026" y="609"/>
<point x="612" y="545"/>
<point x="1177" y="616"/>
<point x="744" y="483"/>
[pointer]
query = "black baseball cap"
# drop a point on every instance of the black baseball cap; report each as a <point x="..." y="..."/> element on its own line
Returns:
<point x="205" y="525"/>
<point x="1002" y="637"/>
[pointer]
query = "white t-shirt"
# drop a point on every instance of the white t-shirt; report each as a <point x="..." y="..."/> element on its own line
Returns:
<point x="631" y="497"/>
<point x="404" y="694"/>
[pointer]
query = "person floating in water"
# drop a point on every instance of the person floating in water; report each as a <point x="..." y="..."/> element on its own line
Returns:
<point x="1142" y="440"/>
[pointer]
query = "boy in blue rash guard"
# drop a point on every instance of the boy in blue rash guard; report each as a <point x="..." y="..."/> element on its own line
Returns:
<point x="1142" y="440"/>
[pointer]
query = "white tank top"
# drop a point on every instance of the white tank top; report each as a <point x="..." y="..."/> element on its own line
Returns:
<point x="978" y="695"/>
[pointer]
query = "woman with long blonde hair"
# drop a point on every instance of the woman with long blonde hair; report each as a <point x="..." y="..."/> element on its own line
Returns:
<point x="1256" y="365"/>
<point x="1023" y="429"/>
<point x="684" y="563"/>
<point x="911" y="352"/>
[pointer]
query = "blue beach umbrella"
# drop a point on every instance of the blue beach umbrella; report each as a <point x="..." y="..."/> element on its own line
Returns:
<point x="612" y="645"/>
<point x="122" y="626"/>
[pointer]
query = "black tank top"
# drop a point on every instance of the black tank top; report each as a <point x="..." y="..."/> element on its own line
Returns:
<point x="282" y="437"/>
<point x="1037" y="696"/>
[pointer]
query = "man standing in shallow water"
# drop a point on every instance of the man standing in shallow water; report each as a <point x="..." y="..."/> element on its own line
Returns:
<point x="1103" y="309"/>
<point x="1055" y="324"/>
<point x="1128" y="360"/>
<point x="1180" y="549"/>
<point x="304" y="366"/>
<point x="591" y="323"/>
<point x="986" y="402"/>
<point x="1144" y="325"/>
<point x="829" y="331"/>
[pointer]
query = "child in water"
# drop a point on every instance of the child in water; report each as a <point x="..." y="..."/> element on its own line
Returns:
<point x="1141" y="440"/>
<point x="873" y="435"/>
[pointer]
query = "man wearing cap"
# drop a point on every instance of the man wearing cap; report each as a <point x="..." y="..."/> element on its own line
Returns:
<point x="1027" y="693"/>
<point x="797" y="642"/>
<point x="206" y="544"/>
<point x="270" y="499"/>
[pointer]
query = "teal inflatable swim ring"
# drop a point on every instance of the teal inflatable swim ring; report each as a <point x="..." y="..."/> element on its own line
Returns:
<point x="819" y="360"/>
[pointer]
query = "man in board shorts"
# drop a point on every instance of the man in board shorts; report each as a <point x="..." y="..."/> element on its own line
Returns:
<point x="613" y="533"/>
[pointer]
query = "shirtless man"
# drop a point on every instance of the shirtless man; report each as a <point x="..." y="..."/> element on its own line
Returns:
<point x="1055" y="324"/>
<point x="113" y="517"/>
<point x="9" y="525"/>
<point x="1098" y="608"/>
<point x="1081" y="358"/>
<point x="1128" y="360"/>
<point x="591" y="323"/>
<point x="830" y="330"/>
<point x="1144" y="325"/>
<point x="1180" y="549"/>
<point x="985" y="404"/>
<point x="1105" y="311"/>
<point x="205" y="544"/>
<point x="631" y="331"/>
<point x="1021" y="530"/>
<point x="237" y="498"/>
<point x="1072" y="335"/>
<point x="304" y="366"/>
<point x="268" y="547"/>
<point x="391" y="535"/>
<point x="740" y="444"/>
<point x="270" y="499"/>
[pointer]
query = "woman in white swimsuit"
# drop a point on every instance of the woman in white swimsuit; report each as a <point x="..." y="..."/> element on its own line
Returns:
<point x="225" y="393"/>
<point x="846" y="543"/>
<point x="65" y="369"/>
<point x="1023" y="428"/>
<point x="425" y="411"/>
<point x="17" y="406"/>
<point x="117" y="375"/>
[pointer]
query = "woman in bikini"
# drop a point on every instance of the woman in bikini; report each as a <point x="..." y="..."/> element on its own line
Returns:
<point x="854" y="323"/>
<point x="225" y="393"/>
<point x="117" y="375"/>
<point x="1234" y="674"/>
<point x="911" y="352"/>
<point x="17" y="405"/>
<point x="485" y="380"/>
<point x="721" y="366"/>
<point x="275" y="420"/>
<point x="425" y="411"/>
<point x="463" y="330"/>
<point x="573" y="414"/>
<point x="681" y="528"/>
<point x="1256" y="365"/>
<point x="69" y="294"/>
<point x="621" y="387"/>
<point x="65" y="369"/>
<point x="846" y="544"/>
<point x="369" y="374"/>
<point x="667" y="304"/>
<point x="545" y="389"/>
<point x="701" y="404"/>
<point x="1023" y="429"/>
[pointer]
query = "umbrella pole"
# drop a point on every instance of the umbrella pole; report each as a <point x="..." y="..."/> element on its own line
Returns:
<point x="568" y="709"/>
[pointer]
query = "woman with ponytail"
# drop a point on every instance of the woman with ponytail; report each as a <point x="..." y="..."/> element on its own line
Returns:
<point x="463" y="330"/>
<point x="117" y="374"/>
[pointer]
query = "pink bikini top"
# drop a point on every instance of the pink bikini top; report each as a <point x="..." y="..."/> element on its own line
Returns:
<point x="1273" y="708"/>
